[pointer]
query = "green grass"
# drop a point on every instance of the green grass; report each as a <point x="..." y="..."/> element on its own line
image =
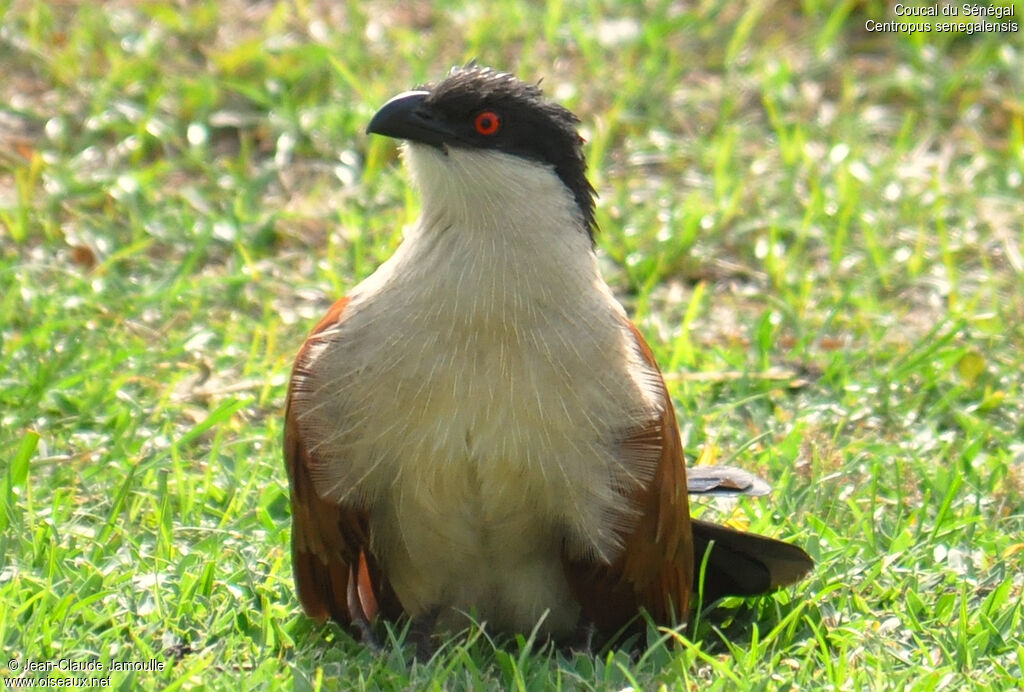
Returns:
<point x="184" y="187"/>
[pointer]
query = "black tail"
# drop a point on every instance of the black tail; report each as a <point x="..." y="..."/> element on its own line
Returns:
<point x="744" y="564"/>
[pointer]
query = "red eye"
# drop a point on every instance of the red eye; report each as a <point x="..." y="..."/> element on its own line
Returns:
<point x="487" y="123"/>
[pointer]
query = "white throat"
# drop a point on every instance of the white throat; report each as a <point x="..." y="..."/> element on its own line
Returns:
<point x="492" y="191"/>
<point x="497" y="234"/>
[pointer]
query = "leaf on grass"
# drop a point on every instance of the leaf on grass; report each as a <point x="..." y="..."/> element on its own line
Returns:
<point x="1013" y="549"/>
<point x="992" y="399"/>
<point x="970" y="366"/>
<point x="18" y="472"/>
<point x="83" y="256"/>
<point x="17" y="475"/>
<point x="708" y="455"/>
<point x="221" y="414"/>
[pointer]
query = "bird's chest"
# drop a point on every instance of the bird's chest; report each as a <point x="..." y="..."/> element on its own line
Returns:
<point x="479" y="424"/>
<point x="475" y="420"/>
<point x="478" y="455"/>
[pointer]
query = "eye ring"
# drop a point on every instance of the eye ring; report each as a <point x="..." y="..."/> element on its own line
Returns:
<point x="487" y="123"/>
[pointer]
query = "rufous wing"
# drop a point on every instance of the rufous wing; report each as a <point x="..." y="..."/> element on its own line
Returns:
<point x="665" y="550"/>
<point x="336" y="575"/>
<point x="655" y="569"/>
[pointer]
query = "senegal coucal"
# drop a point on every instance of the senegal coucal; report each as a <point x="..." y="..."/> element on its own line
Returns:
<point x="478" y="427"/>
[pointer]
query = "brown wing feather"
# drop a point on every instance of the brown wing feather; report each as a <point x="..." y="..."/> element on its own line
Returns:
<point x="336" y="575"/>
<point x="655" y="570"/>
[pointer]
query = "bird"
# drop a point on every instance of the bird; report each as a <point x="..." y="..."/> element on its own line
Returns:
<point x="477" y="429"/>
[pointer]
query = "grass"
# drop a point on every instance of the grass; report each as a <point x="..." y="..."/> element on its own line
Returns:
<point x="184" y="187"/>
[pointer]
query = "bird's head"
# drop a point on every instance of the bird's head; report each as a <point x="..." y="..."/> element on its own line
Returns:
<point x="483" y="134"/>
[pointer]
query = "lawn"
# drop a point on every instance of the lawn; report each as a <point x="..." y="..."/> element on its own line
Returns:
<point x="818" y="228"/>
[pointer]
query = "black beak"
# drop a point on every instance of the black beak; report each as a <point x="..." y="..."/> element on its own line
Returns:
<point x="406" y="117"/>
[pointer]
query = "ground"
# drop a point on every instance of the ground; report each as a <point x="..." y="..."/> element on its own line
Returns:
<point x="817" y="227"/>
